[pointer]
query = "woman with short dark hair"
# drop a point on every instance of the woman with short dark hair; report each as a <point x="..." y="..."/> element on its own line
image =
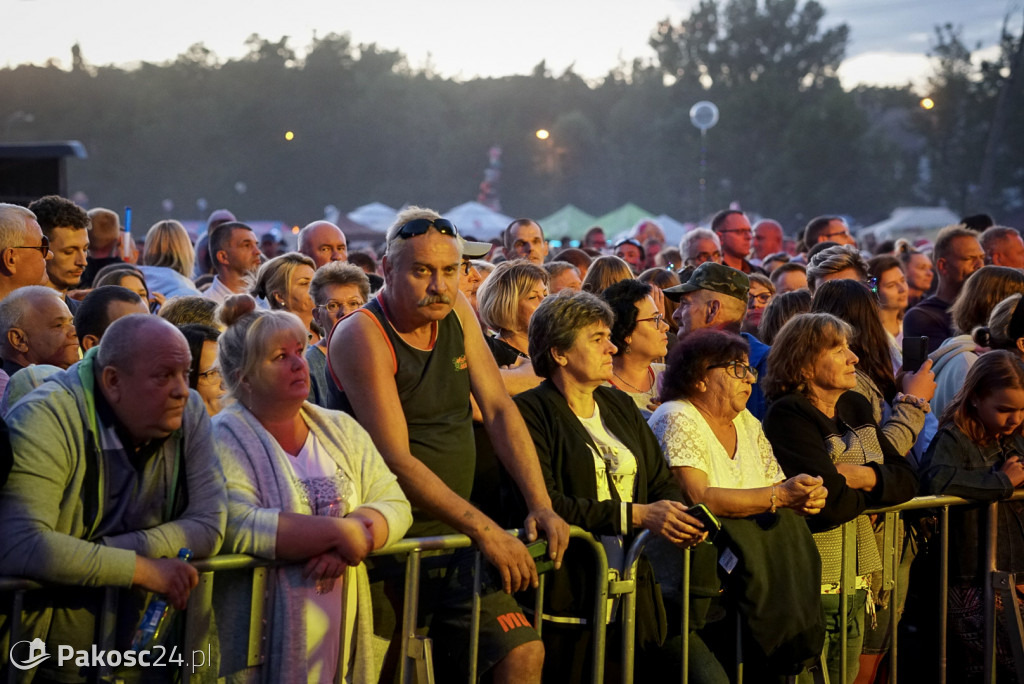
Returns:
<point x="601" y="463"/>
<point x="640" y="335"/>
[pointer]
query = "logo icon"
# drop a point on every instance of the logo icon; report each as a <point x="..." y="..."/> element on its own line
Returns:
<point x="36" y="654"/>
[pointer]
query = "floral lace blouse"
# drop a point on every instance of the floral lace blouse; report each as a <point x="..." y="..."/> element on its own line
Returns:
<point x="686" y="440"/>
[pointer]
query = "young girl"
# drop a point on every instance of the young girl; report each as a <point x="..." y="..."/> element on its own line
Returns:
<point x="976" y="454"/>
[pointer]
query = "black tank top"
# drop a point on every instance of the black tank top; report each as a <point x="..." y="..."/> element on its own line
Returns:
<point x="433" y="386"/>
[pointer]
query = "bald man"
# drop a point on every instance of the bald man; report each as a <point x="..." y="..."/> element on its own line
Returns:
<point x="114" y="471"/>
<point x="323" y="242"/>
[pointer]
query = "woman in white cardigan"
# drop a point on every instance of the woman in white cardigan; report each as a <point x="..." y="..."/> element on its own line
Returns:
<point x="304" y="484"/>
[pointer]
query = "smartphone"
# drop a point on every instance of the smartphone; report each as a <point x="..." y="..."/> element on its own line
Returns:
<point x="915" y="352"/>
<point x="706" y="518"/>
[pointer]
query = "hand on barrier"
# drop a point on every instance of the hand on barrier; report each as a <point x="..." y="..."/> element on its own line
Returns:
<point x="510" y="557"/>
<point x="670" y="520"/>
<point x="329" y="565"/>
<point x="169" y="576"/>
<point x="355" y="540"/>
<point x="1014" y="470"/>
<point x="922" y="383"/>
<point x="803" y="493"/>
<point x="554" y="528"/>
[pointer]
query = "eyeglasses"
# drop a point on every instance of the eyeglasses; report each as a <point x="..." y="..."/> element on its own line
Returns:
<point x="761" y="298"/>
<point x="629" y="241"/>
<point x="466" y="267"/>
<point x="43" y="248"/>
<point x="737" y="369"/>
<point x="210" y="376"/>
<point x="333" y="307"/>
<point x="422" y="225"/>
<point x="829" y="236"/>
<point x="657" y="318"/>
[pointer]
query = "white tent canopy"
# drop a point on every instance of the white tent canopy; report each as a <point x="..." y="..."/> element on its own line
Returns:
<point x="478" y="221"/>
<point x="375" y="216"/>
<point x="911" y="223"/>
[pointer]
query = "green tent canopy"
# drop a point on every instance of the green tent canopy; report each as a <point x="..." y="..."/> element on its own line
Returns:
<point x="622" y="219"/>
<point x="568" y="220"/>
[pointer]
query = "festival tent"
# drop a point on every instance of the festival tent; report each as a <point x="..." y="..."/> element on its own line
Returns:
<point x="375" y="216"/>
<point x="567" y="221"/>
<point x="622" y="219"/>
<point x="674" y="230"/>
<point x="477" y="221"/>
<point x="912" y="223"/>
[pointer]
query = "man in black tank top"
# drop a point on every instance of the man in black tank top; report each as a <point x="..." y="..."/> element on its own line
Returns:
<point x="406" y="365"/>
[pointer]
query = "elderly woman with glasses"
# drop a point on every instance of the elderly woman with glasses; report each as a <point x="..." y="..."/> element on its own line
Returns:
<point x="640" y="335"/>
<point x="337" y="289"/>
<point x="600" y="461"/>
<point x="720" y="457"/>
<point x="816" y="425"/>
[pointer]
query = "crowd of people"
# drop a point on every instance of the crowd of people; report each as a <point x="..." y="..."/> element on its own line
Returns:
<point x="314" y="406"/>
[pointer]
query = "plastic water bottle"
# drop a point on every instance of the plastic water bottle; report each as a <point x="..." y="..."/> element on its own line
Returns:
<point x="157" y="612"/>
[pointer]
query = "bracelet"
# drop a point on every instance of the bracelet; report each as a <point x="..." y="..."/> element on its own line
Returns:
<point x="774" y="499"/>
<point x="916" y="402"/>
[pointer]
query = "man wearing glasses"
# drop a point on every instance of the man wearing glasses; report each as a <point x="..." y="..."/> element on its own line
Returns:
<point x="23" y="249"/>
<point x="716" y="296"/>
<point x="828" y="229"/>
<point x="407" y="363"/>
<point x="736" y="235"/>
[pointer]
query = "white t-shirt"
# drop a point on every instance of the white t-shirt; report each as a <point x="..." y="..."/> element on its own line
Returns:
<point x="686" y="440"/>
<point x="613" y="460"/>
<point x="327" y="491"/>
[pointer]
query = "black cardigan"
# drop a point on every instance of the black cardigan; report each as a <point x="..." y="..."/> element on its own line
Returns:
<point x="801" y="438"/>
<point x="564" y="448"/>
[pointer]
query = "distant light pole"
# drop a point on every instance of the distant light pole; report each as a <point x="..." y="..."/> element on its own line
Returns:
<point x="703" y="115"/>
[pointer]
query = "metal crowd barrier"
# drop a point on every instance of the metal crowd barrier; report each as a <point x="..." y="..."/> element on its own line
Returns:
<point x="416" y="654"/>
<point x="999" y="582"/>
<point x="415" y="650"/>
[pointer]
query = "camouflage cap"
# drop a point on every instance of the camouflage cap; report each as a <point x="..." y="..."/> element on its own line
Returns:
<point x="716" y="278"/>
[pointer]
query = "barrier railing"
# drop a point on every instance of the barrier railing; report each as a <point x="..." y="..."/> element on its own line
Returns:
<point x="415" y="651"/>
<point x="998" y="582"/>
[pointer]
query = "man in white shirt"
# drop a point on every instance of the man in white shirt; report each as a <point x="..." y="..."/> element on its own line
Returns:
<point x="235" y="252"/>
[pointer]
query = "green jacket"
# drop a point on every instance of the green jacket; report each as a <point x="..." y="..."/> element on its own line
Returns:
<point x="53" y="502"/>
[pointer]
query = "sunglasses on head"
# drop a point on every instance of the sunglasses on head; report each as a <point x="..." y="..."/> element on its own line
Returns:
<point x="422" y="225"/>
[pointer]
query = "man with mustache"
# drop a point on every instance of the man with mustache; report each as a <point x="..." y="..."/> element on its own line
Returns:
<point x="114" y="471"/>
<point x="406" y="364"/>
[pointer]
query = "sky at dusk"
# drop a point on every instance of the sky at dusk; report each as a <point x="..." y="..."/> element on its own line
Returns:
<point x="467" y="38"/>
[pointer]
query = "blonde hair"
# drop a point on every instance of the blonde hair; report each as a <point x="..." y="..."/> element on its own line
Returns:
<point x="499" y="295"/>
<point x="275" y="277"/>
<point x="243" y="344"/>
<point x="168" y="245"/>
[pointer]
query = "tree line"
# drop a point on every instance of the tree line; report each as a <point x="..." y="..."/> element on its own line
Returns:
<point x="791" y="143"/>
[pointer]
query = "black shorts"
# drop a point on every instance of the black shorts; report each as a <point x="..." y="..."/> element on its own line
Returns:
<point x="446" y="613"/>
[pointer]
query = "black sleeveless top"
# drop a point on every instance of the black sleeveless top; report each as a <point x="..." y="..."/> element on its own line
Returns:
<point x="433" y="386"/>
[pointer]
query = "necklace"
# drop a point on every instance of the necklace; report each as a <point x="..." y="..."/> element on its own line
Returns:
<point x="636" y="389"/>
